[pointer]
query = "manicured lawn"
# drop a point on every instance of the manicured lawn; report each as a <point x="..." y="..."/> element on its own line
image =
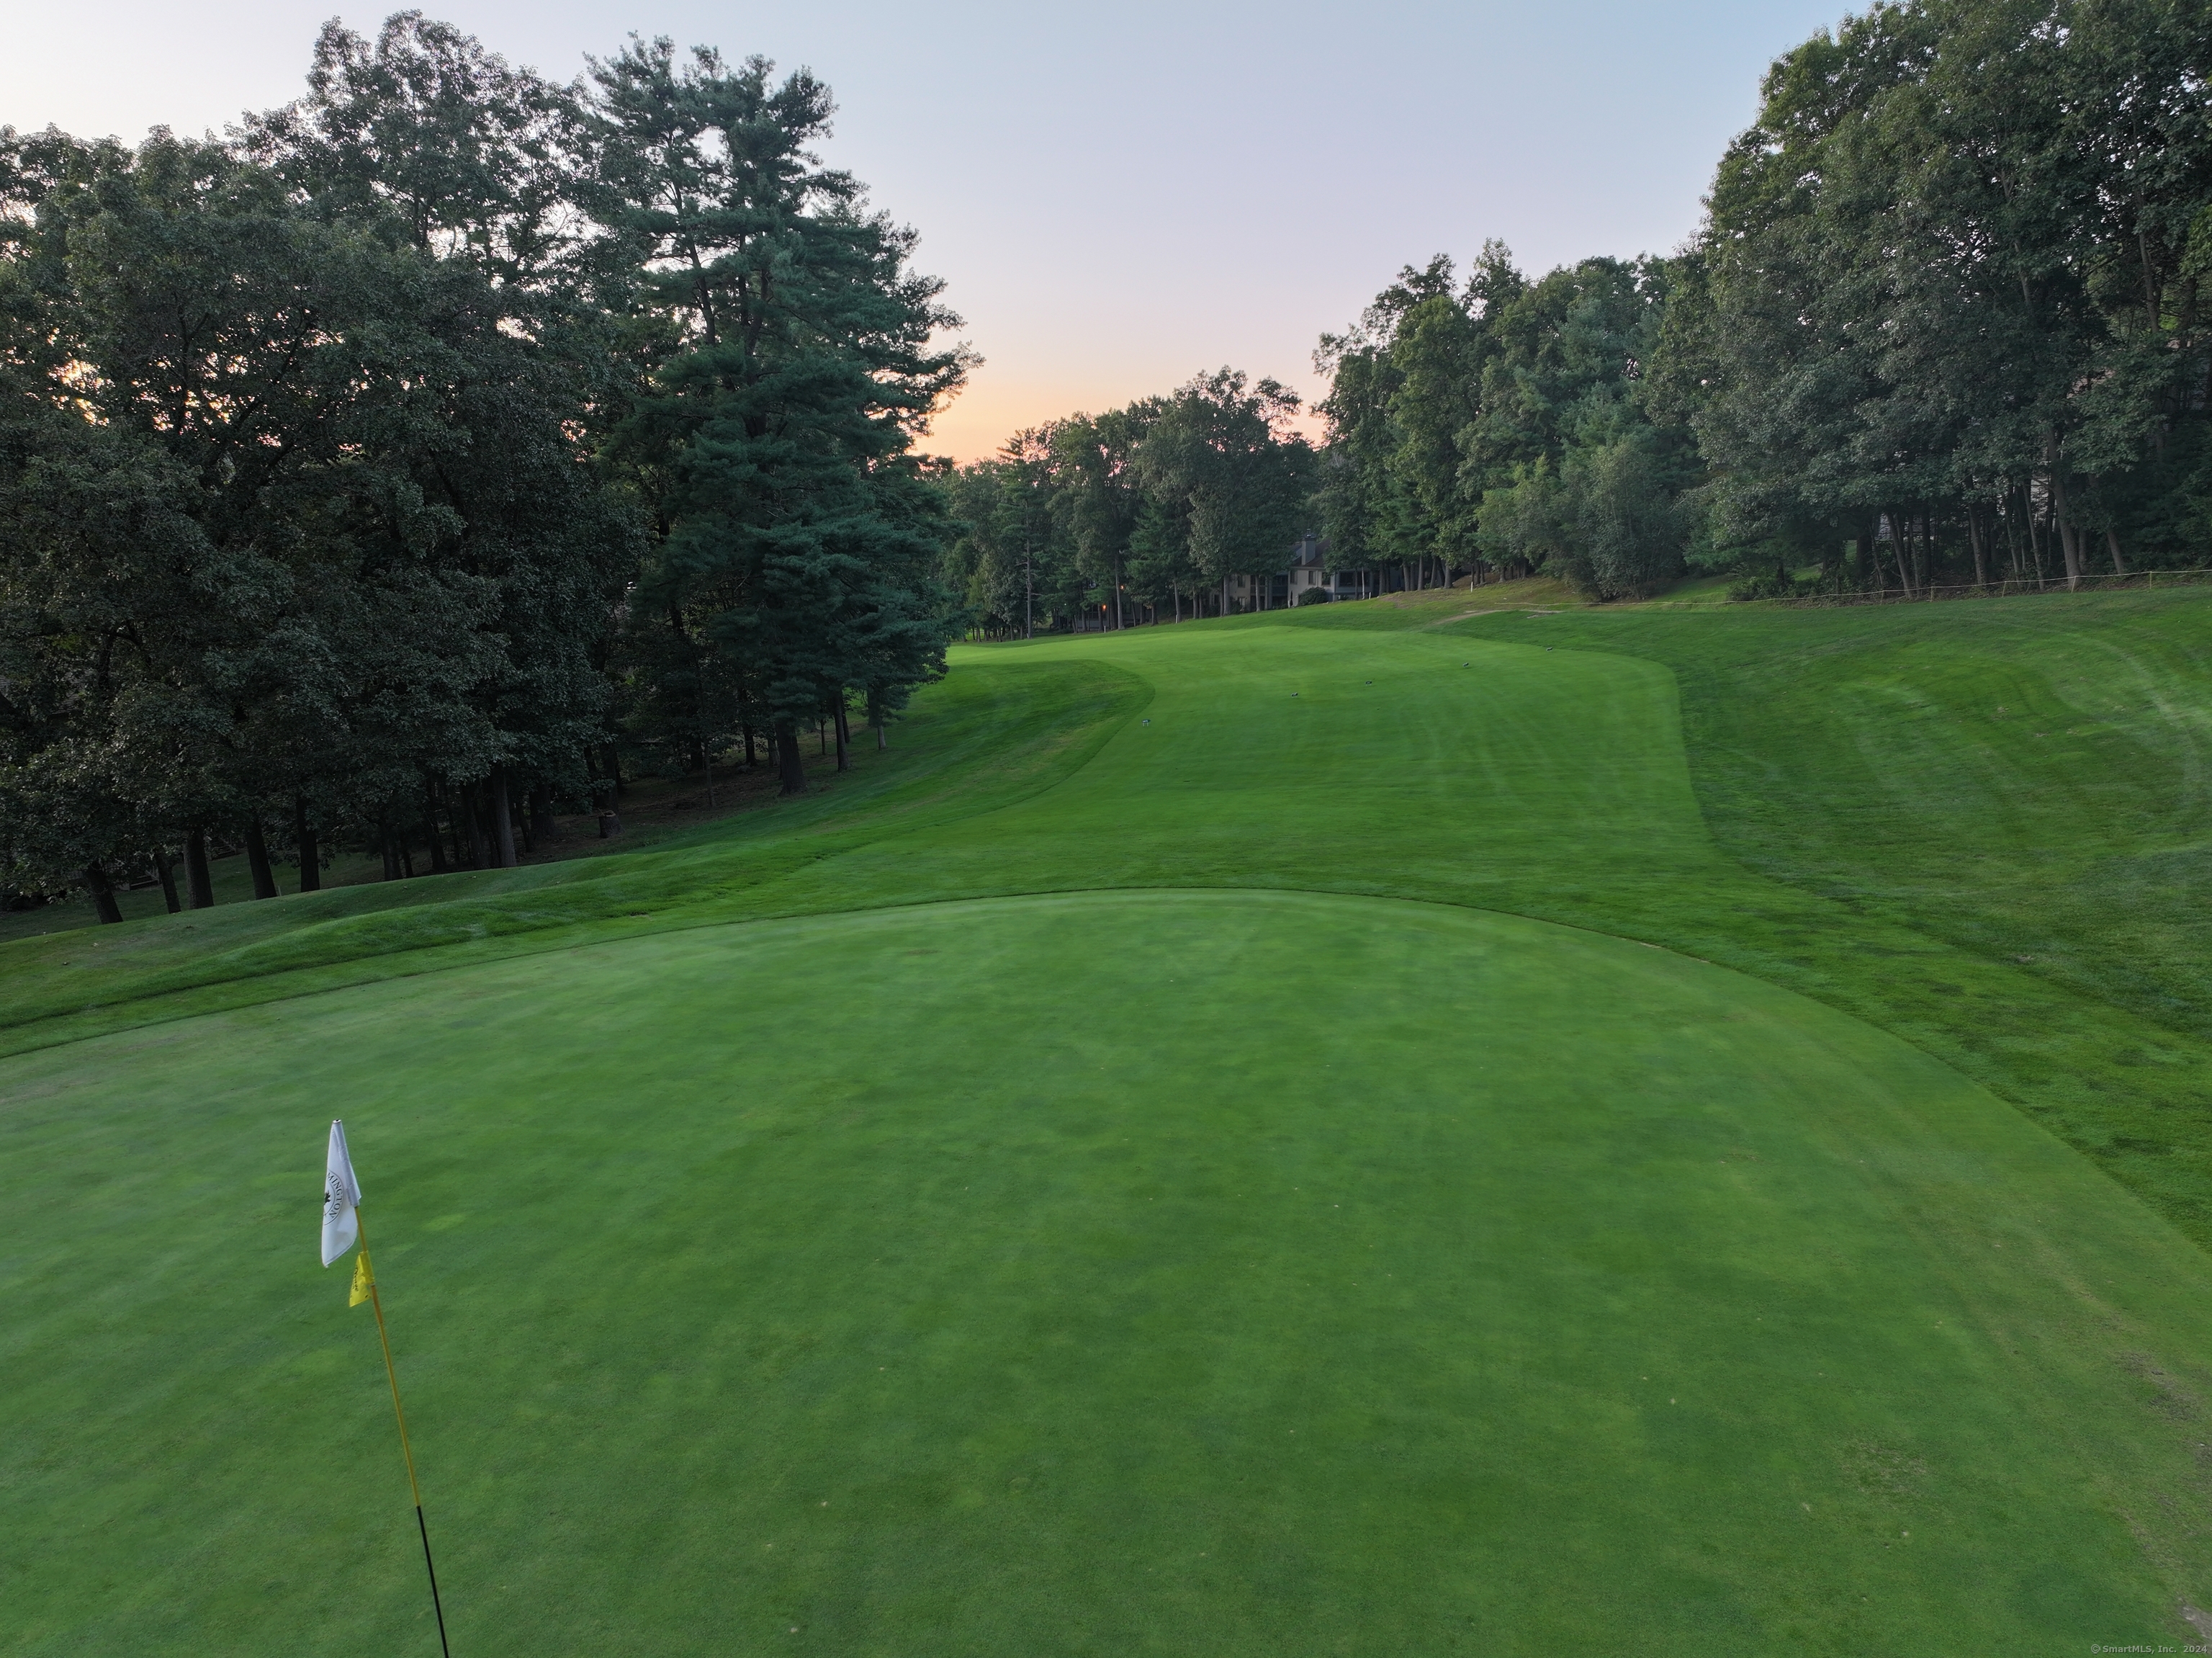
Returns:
<point x="2028" y="776"/>
<point x="1169" y="1272"/>
<point x="672" y="1147"/>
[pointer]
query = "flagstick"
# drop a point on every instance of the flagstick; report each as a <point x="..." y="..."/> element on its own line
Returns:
<point x="392" y="1376"/>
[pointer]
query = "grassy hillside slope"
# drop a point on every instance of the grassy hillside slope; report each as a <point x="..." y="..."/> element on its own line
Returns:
<point x="981" y="742"/>
<point x="2027" y="781"/>
<point x="951" y="1275"/>
<point x="1752" y="787"/>
<point x="2032" y="776"/>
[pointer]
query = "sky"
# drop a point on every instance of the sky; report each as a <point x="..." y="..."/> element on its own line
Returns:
<point x="1118" y="198"/>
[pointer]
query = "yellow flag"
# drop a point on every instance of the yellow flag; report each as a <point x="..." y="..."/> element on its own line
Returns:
<point x="362" y="1283"/>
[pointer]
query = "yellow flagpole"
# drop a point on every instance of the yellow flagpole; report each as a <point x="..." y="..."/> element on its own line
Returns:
<point x="391" y="1374"/>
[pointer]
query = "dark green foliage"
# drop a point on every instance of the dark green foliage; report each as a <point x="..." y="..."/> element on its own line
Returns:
<point x="1220" y="466"/>
<point x="1947" y="303"/>
<point x="331" y="453"/>
<point x="1943" y="326"/>
<point x="795" y="538"/>
<point x="1160" y="505"/>
<point x="1502" y="425"/>
<point x="285" y="502"/>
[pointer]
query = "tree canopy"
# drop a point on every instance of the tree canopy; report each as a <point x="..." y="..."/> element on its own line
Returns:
<point x="364" y="472"/>
<point x="1941" y="323"/>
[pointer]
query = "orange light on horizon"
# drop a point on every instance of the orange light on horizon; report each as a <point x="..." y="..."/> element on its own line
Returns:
<point x="977" y="423"/>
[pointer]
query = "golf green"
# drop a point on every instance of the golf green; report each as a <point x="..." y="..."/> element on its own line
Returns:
<point x="1163" y="1272"/>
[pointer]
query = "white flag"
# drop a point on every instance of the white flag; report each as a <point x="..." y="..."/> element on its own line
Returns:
<point x="341" y="1191"/>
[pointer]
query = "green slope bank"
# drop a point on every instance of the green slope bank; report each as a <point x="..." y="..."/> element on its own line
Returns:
<point x="1326" y="1275"/>
<point x="2029" y="776"/>
<point x="2023" y="785"/>
<point x="982" y="741"/>
<point x="1756" y="788"/>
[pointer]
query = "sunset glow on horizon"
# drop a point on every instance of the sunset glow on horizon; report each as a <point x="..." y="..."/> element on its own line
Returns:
<point x="1115" y="207"/>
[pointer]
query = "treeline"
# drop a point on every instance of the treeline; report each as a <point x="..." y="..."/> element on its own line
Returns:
<point x="1942" y="327"/>
<point x="1145" y="513"/>
<point x="387" y="471"/>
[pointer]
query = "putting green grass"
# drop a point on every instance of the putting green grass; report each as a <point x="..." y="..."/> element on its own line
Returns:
<point x="1548" y="1290"/>
<point x="949" y="1148"/>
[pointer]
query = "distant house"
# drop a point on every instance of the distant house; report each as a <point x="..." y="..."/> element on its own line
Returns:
<point x="1309" y="569"/>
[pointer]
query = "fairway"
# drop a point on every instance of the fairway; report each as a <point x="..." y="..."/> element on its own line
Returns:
<point x="1274" y="1137"/>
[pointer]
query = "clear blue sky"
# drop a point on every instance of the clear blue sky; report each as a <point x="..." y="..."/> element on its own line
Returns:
<point x="1119" y="196"/>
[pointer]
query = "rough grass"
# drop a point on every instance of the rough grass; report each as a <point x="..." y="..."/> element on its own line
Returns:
<point x="2018" y="786"/>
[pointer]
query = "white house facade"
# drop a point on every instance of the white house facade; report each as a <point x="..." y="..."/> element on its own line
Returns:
<point x="1309" y="571"/>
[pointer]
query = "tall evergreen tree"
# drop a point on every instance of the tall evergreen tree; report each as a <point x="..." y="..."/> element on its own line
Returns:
<point x="793" y="526"/>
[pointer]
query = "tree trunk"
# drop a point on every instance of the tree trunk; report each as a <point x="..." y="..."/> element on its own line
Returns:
<point x="502" y="813"/>
<point x="1974" y="535"/>
<point x="457" y="808"/>
<point x="746" y="725"/>
<point x="542" y="826"/>
<point x="103" y="895"/>
<point x="168" y="876"/>
<point x="791" y="769"/>
<point x="844" y="731"/>
<point x="311" y="854"/>
<point x="257" y="860"/>
<point x="2112" y="547"/>
<point x="479" y="849"/>
<point x="199" y="884"/>
<point x="2069" y="539"/>
<point x="437" y="840"/>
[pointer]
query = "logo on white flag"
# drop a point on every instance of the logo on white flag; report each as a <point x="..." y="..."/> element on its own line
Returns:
<point x="341" y="1191"/>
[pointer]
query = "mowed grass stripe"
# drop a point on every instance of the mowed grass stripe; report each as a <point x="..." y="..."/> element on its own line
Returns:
<point x="1316" y="1275"/>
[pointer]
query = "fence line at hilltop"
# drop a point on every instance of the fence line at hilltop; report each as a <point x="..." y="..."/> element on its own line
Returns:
<point x="2010" y="586"/>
